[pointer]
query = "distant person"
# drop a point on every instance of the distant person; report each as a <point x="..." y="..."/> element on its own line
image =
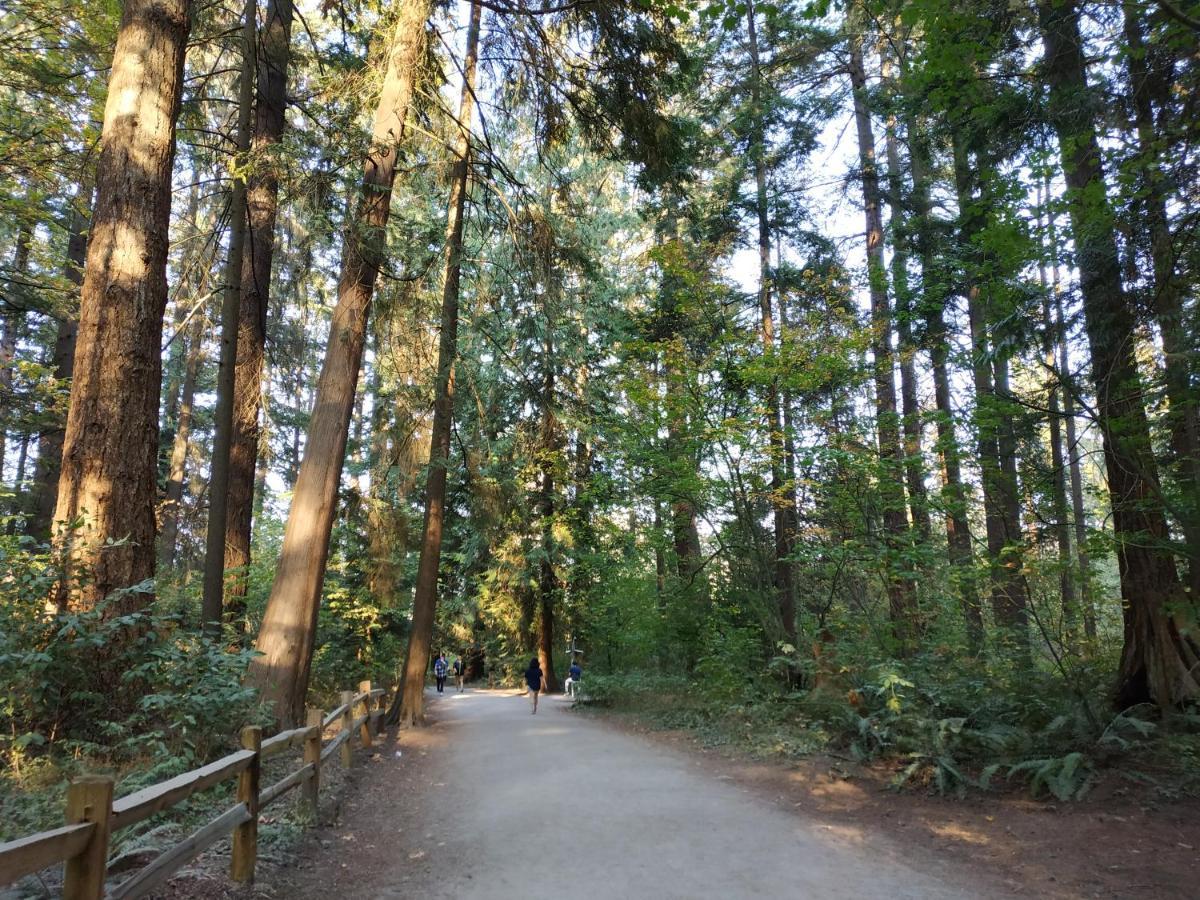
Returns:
<point x="439" y="672"/>
<point x="460" y="670"/>
<point x="533" y="678"/>
<point x="574" y="676"/>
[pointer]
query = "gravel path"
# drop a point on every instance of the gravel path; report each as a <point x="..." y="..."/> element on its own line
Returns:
<point x="512" y="805"/>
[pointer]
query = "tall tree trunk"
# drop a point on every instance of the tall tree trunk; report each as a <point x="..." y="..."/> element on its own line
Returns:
<point x="789" y="429"/>
<point x="212" y="602"/>
<point x="914" y="460"/>
<point x="420" y="635"/>
<point x="1058" y="488"/>
<point x="1058" y="464"/>
<point x="19" y="475"/>
<point x="50" y="444"/>
<point x="1001" y="513"/>
<point x="168" y="543"/>
<point x="935" y="292"/>
<point x="1073" y="457"/>
<point x="660" y="558"/>
<point x="901" y="596"/>
<point x="1015" y="613"/>
<point x="550" y="451"/>
<point x="681" y="461"/>
<point x="289" y="625"/>
<point x="111" y="442"/>
<point x="14" y="325"/>
<point x="1150" y="87"/>
<point x="1159" y="662"/>
<point x="549" y="586"/>
<point x="383" y="536"/>
<point x="782" y="507"/>
<point x="262" y="204"/>
<point x="685" y="534"/>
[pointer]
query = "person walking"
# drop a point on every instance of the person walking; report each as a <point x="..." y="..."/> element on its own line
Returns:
<point x="439" y="672"/>
<point x="460" y="670"/>
<point x="533" y="679"/>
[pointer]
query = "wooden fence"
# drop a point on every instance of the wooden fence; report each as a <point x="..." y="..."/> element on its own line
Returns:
<point x="93" y="816"/>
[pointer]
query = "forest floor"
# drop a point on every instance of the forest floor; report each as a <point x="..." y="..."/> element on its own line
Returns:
<point x="493" y="802"/>
<point x="1122" y="841"/>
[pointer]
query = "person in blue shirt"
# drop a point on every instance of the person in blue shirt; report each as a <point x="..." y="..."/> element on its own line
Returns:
<point x="533" y="680"/>
<point x="439" y="672"/>
<point x="574" y="676"/>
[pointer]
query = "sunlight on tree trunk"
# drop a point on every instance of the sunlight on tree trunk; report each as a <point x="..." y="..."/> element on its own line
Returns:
<point x="420" y="636"/>
<point x="107" y="482"/>
<point x="262" y="203"/>
<point x="286" y="637"/>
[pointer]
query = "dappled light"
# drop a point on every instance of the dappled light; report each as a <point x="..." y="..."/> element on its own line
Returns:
<point x="647" y="448"/>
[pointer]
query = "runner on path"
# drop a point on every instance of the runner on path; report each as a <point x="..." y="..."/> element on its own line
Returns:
<point x="533" y="678"/>
<point x="459" y="671"/>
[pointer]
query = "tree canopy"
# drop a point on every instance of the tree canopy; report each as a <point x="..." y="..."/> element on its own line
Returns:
<point x="837" y="360"/>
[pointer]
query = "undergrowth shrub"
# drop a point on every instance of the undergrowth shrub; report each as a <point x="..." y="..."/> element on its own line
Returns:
<point x="167" y="696"/>
<point x="940" y="721"/>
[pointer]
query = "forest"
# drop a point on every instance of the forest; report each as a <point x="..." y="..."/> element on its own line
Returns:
<point x="825" y="372"/>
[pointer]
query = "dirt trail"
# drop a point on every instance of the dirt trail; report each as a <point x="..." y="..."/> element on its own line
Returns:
<point x="493" y="802"/>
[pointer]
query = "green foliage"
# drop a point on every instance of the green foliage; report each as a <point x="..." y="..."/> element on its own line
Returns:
<point x="356" y="641"/>
<point x="1066" y="777"/>
<point x="949" y="724"/>
<point x="89" y="691"/>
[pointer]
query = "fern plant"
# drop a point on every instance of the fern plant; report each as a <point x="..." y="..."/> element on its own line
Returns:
<point x="1067" y="777"/>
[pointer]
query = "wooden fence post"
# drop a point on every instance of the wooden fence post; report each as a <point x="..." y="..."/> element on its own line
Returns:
<point x="365" y="710"/>
<point x="245" y="836"/>
<point x="347" y="721"/>
<point x="312" y="755"/>
<point x="89" y="799"/>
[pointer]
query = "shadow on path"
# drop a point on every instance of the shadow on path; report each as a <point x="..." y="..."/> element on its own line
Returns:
<point x="493" y="802"/>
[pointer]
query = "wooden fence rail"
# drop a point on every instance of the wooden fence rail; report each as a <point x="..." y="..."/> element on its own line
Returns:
<point x="93" y="815"/>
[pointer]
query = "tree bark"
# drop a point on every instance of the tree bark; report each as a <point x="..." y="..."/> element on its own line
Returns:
<point x="1073" y="457"/>
<point x="420" y="635"/>
<point x="1001" y="514"/>
<point x="1159" y="662"/>
<point x="288" y="631"/>
<point x="50" y="444"/>
<point x="789" y="434"/>
<point x="901" y="597"/>
<point x="550" y="450"/>
<point x="111" y="440"/>
<point x="1150" y="86"/>
<point x="914" y="460"/>
<point x="660" y="559"/>
<point x="168" y="543"/>
<point x="14" y="324"/>
<point x="262" y="205"/>
<point x="549" y="587"/>
<point x="935" y="293"/>
<point x="1058" y="464"/>
<point x="781" y="506"/>
<point x="213" y="597"/>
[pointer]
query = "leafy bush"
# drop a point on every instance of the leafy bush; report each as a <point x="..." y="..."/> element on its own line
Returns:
<point x="184" y="689"/>
<point x="87" y="692"/>
<point x="948" y="723"/>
